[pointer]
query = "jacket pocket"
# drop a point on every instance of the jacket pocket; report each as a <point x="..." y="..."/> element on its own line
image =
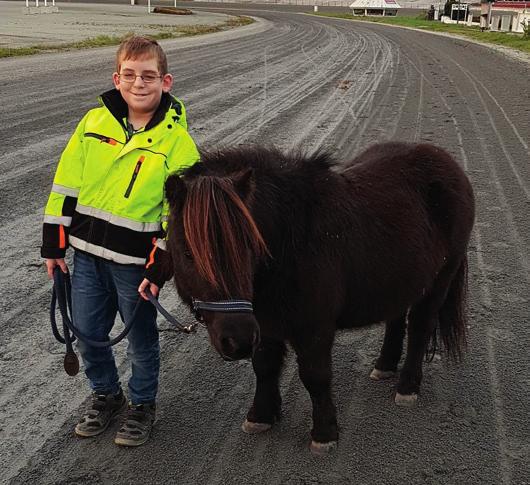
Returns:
<point x="134" y="176"/>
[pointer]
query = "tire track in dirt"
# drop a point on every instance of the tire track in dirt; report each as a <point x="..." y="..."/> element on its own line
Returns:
<point x="479" y="131"/>
<point x="301" y="85"/>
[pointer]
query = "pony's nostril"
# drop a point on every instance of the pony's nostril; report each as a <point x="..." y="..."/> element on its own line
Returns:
<point x="229" y="345"/>
<point x="233" y="349"/>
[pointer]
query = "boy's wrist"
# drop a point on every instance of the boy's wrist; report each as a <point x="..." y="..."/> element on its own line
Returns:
<point x="154" y="276"/>
<point x="52" y="253"/>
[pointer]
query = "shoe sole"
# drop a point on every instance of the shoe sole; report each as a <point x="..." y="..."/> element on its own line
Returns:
<point x="89" y="434"/>
<point x="129" y="442"/>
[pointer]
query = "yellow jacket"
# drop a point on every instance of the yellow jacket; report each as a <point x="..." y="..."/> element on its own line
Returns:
<point x="107" y="197"/>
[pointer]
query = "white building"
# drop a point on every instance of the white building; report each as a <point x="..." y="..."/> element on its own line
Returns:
<point x="375" y="7"/>
<point x="503" y="16"/>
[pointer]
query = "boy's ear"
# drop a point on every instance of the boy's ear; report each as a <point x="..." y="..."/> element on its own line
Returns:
<point x="116" y="80"/>
<point x="175" y="192"/>
<point x="243" y="183"/>
<point x="167" y="83"/>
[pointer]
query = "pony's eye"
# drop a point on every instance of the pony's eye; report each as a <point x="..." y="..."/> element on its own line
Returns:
<point x="187" y="254"/>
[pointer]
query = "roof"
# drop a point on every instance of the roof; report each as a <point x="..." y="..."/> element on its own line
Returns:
<point x="510" y="5"/>
<point x="375" y="4"/>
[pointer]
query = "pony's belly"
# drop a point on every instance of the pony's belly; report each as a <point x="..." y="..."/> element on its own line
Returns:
<point x="344" y="323"/>
<point x="381" y="310"/>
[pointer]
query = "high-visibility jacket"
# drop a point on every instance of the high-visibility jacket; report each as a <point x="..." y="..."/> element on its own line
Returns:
<point x="107" y="197"/>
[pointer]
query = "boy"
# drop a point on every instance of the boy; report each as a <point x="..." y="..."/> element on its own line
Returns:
<point x="107" y="202"/>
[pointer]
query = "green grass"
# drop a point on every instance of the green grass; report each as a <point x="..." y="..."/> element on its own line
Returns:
<point x="166" y="32"/>
<point x="514" y="41"/>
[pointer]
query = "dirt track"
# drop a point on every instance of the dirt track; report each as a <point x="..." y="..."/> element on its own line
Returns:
<point x="314" y="82"/>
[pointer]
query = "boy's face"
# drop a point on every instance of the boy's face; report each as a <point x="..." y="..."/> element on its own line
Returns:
<point x="142" y="97"/>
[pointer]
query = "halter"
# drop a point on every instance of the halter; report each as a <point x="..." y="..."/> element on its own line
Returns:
<point x="223" y="306"/>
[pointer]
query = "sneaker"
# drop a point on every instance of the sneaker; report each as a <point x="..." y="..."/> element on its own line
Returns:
<point x="102" y="409"/>
<point x="136" y="425"/>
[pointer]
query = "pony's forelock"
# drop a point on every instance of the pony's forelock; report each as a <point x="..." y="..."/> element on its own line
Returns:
<point x="219" y="230"/>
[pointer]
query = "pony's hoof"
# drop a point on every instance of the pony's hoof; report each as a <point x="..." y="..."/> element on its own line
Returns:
<point x="406" y="400"/>
<point x="255" y="428"/>
<point x="322" y="448"/>
<point x="379" y="375"/>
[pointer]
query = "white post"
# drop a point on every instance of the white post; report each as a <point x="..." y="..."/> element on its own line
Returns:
<point x="27" y="3"/>
<point x="175" y="3"/>
<point x="148" y="6"/>
<point x="315" y="8"/>
<point x="45" y="3"/>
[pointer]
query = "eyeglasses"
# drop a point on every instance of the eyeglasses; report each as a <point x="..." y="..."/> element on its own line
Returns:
<point x="130" y="77"/>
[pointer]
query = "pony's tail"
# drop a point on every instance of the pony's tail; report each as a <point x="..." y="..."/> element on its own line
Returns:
<point x="452" y="316"/>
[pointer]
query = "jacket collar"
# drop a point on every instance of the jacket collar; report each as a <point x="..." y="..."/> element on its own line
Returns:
<point x="114" y="102"/>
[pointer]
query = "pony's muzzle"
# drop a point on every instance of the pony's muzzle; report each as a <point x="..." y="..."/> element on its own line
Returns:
<point x="235" y="336"/>
<point x="234" y="348"/>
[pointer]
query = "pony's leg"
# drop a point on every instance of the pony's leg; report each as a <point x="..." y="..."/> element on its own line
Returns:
<point x="314" y="366"/>
<point x="386" y="364"/>
<point x="422" y="321"/>
<point x="267" y="362"/>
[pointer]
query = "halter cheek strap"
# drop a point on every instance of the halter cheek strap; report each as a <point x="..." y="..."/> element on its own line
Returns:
<point x="223" y="306"/>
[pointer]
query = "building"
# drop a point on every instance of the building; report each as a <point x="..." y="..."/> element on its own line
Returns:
<point x="502" y="16"/>
<point x="375" y="7"/>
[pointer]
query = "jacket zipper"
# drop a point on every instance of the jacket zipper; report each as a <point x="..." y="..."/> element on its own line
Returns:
<point x="102" y="139"/>
<point x="134" y="175"/>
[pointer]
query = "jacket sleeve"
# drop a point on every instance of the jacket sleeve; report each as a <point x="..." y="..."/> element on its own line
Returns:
<point x="159" y="267"/>
<point x="63" y="197"/>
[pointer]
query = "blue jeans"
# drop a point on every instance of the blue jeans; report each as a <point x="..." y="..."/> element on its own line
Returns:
<point x="101" y="289"/>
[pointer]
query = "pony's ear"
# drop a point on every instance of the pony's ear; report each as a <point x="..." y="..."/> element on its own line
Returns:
<point x="175" y="191"/>
<point x="242" y="183"/>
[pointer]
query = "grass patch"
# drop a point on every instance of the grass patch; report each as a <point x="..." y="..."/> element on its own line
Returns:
<point x="166" y="32"/>
<point x="514" y="41"/>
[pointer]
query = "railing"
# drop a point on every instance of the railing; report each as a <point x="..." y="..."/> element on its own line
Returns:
<point x="45" y="3"/>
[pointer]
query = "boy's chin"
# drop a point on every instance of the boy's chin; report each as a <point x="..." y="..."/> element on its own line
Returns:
<point x="142" y="108"/>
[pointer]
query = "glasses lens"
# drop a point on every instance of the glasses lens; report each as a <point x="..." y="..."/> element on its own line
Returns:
<point x="128" y="77"/>
<point x="149" y="78"/>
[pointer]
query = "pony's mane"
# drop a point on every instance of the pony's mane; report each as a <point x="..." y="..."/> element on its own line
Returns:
<point x="229" y="160"/>
<point x="218" y="225"/>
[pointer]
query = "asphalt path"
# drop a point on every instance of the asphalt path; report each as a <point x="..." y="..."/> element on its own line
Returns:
<point x="290" y="80"/>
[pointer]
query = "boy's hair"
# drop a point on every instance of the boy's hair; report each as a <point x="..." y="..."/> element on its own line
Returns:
<point x="138" y="46"/>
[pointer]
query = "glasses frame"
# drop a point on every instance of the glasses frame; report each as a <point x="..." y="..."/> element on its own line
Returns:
<point x="141" y="76"/>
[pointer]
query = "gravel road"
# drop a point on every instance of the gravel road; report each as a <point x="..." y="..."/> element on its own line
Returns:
<point x="292" y="80"/>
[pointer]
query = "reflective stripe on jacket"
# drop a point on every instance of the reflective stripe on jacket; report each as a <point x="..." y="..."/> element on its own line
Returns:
<point x="107" y="197"/>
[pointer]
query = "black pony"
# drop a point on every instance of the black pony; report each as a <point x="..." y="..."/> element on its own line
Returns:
<point x="316" y="246"/>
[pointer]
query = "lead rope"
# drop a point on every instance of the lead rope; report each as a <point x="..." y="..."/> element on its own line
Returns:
<point x="62" y="296"/>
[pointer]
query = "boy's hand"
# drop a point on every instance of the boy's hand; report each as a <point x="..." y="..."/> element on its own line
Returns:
<point x="52" y="263"/>
<point x="154" y="289"/>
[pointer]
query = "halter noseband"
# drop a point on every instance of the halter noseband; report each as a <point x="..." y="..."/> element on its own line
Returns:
<point x="223" y="306"/>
